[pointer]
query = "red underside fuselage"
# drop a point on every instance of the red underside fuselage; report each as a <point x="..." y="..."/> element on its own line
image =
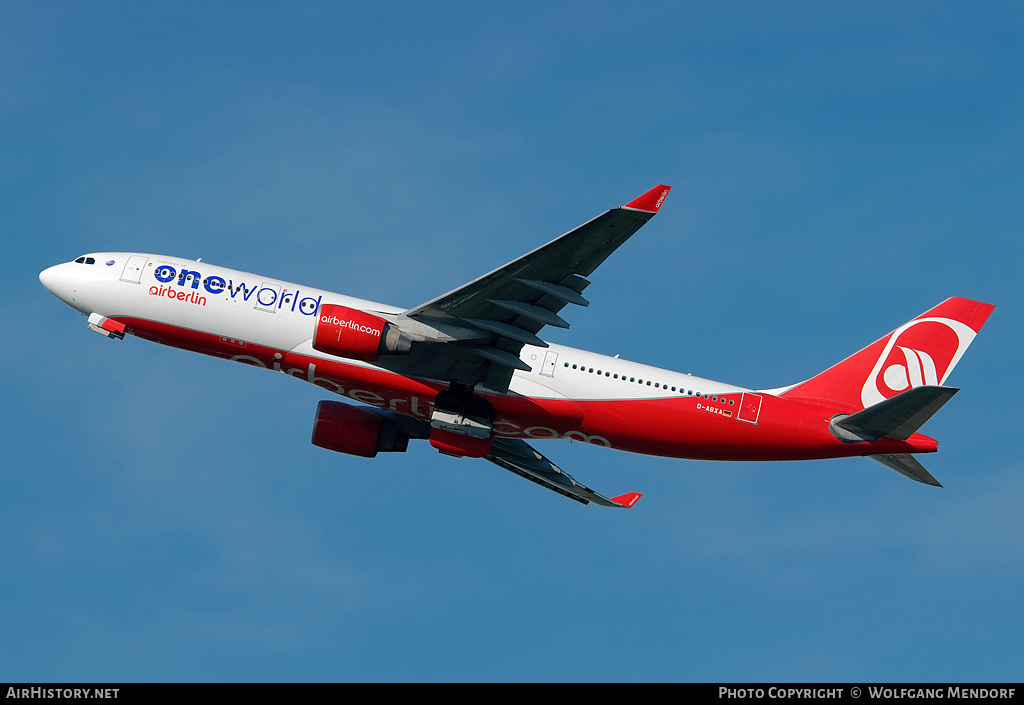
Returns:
<point x="728" y="426"/>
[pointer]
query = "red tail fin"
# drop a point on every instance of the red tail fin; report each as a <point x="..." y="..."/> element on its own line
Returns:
<point x="923" y="351"/>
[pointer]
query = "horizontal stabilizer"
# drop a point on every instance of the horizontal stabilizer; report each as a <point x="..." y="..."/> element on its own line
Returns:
<point x="898" y="417"/>
<point x="906" y="464"/>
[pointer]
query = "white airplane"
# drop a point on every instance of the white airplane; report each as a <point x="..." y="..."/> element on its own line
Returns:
<point x="468" y="372"/>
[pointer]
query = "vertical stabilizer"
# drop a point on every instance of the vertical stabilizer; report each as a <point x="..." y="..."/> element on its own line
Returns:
<point x="921" y="352"/>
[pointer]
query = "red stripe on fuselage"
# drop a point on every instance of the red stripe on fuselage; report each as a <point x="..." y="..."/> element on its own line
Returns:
<point x="698" y="428"/>
<point x="517" y="416"/>
<point x="676" y="426"/>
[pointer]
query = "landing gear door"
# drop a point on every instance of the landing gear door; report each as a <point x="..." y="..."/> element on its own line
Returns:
<point x="133" y="269"/>
<point x="550" y="361"/>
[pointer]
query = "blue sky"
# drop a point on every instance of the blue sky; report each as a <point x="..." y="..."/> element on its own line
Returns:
<point x="838" y="168"/>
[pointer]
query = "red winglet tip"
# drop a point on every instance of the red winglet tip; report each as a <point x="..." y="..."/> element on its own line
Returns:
<point x="627" y="500"/>
<point x="650" y="201"/>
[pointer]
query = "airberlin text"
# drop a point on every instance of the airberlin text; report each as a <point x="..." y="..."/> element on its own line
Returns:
<point x="178" y="294"/>
<point x="413" y="405"/>
<point x="352" y="325"/>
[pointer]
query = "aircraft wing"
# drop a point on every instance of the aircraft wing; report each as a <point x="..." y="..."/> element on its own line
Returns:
<point x="520" y="457"/>
<point x="505" y="309"/>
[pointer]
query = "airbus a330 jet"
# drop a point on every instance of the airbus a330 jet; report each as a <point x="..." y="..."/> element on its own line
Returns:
<point x="469" y="373"/>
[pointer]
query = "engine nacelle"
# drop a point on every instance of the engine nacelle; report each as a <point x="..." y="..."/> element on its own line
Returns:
<point x="350" y="429"/>
<point x="357" y="335"/>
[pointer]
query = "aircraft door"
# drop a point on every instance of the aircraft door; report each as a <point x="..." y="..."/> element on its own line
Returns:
<point x="550" y="360"/>
<point x="750" y="407"/>
<point x="133" y="269"/>
<point x="266" y="297"/>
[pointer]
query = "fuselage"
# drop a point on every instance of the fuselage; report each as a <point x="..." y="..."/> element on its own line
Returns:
<point x="567" y="393"/>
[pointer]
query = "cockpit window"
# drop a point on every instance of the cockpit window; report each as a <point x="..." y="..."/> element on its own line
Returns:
<point x="90" y="260"/>
<point x="80" y="260"/>
<point x="85" y="260"/>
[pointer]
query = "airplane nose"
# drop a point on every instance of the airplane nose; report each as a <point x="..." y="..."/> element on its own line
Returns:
<point x="57" y="281"/>
<point x="48" y="278"/>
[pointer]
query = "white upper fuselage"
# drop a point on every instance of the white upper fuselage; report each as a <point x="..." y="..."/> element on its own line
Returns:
<point x="207" y="298"/>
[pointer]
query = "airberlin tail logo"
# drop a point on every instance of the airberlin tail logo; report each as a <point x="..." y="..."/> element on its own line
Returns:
<point x="920" y="369"/>
<point x="921" y="352"/>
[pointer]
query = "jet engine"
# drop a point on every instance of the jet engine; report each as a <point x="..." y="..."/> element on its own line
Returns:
<point x="357" y="335"/>
<point x="356" y="431"/>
